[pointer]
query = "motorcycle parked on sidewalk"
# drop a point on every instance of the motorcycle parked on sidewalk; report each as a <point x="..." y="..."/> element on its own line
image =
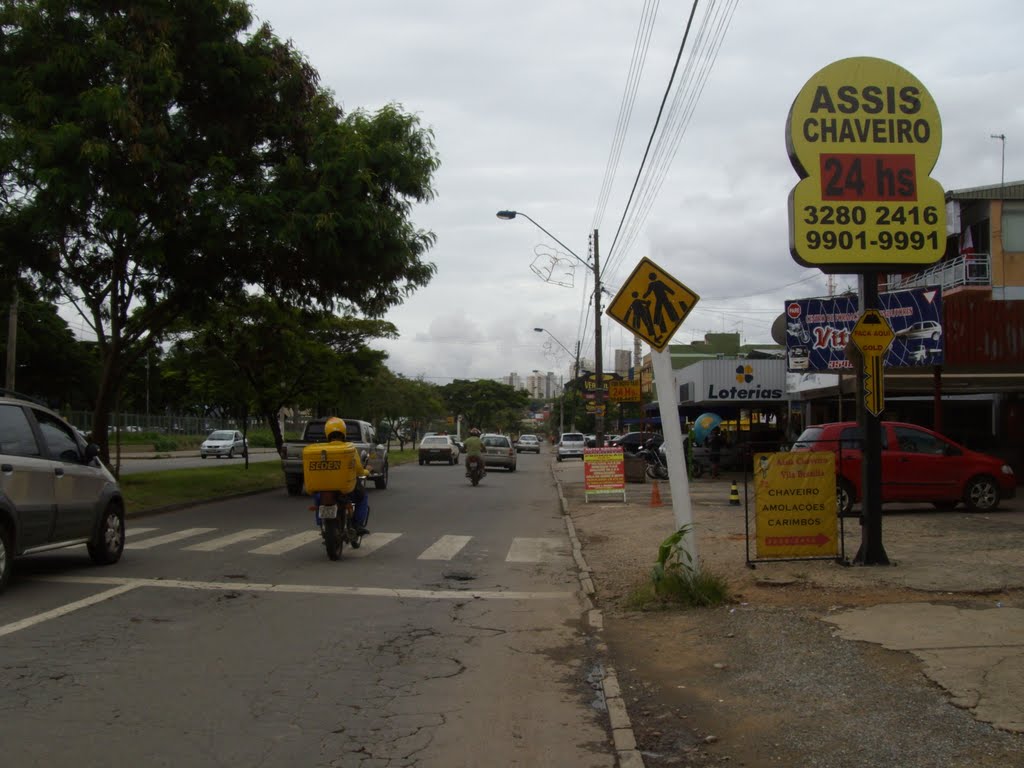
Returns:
<point x="475" y="469"/>
<point x="335" y="517"/>
<point x="656" y="468"/>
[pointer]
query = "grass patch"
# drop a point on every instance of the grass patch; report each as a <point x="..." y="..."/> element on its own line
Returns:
<point x="677" y="581"/>
<point x="147" y="491"/>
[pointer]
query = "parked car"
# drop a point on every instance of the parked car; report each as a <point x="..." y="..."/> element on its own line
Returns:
<point x="498" y="452"/>
<point x="570" y="446"/>
<point x="918" y="465"/>
<point x="925" y="329"/>
<point x="438" y="448"/>
<point x="631" y="441"/>
<point x="224" y="442"/>
<point x="528" y="443"/>
<point x="54" y="491"/>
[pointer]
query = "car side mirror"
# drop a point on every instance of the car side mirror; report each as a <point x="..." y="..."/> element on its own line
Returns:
<point x="91" y="452"/>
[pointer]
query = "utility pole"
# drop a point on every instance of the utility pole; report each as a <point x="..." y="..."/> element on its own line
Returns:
<point x="599" y="395"/>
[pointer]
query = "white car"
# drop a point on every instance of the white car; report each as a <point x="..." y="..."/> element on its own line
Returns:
<point x="527" y="443"/>
<point x="224" y="442"/>
<point x="571" y="446"/>
<point x="925" y="329"/>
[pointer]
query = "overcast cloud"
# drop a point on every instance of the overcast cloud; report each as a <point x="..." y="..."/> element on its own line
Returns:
<point x="523" y="99"/>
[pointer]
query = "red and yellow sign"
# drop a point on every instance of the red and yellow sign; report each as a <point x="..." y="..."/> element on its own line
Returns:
<point x="603" y="472"/>
<point x="864" y="134"/>
<point x="795" y="503"/>
<point x="624" y="391"/>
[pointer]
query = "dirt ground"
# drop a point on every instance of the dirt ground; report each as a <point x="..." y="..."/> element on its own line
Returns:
<point x="763" y="681"/>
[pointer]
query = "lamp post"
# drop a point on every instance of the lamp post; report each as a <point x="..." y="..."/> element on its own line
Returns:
<point x="575" y="375"/>
<point x="598" y="372"/>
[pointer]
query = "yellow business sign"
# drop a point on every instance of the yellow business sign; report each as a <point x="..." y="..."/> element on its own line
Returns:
<point x="864" y="134"/>
<point x="872" y="335"/>
<point x="795" y="501"/>
<point x="624" y="391"/>
<point x="652" y="304"/>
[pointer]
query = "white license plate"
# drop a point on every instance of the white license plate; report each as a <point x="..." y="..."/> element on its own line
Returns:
<point x="328" y="511"/>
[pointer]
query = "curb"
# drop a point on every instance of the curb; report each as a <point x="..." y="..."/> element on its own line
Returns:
<point x="623" y="738"/>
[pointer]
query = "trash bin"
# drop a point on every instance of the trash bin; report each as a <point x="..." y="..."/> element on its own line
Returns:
<point x="634" y="468"/>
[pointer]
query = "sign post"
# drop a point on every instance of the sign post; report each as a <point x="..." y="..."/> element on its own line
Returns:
<point x="864" y="134"/>
<point x="652" y="304"/>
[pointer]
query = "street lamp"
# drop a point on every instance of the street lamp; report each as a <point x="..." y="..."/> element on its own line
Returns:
<point x="575" y="375"/>
<point x="1002" y="174"/>
<point x="598" y="372"/>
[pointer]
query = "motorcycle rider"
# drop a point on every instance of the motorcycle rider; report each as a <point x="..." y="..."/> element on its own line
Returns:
<point x="474" y="447"/>
<point x="335" y="430"/>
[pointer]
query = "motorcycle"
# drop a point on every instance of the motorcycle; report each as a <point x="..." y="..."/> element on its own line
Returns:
<point x="656" y="468"/>
<point x="475" y="468"/>
<point x="335" y="517"/>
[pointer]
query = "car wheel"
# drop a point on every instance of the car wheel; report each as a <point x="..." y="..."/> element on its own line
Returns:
<point x="294" y="486"/>
<point x="202" y="455"/>
<point x="108" y="542"/>
<point x="231" y="452"/>
<point x="512" y="468"/>
<point x="421" y="462"/>
<point x="6" y="557"/>
<point x="558" y="458"/>
<point x="380" y="483"/>
<point x="982" y="494"/>
<point x="844" y="498"/>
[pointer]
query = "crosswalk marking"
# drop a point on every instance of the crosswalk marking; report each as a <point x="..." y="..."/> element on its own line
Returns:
<point x="156" y="541"/>
<point x="214" y="545"/>
<point x="372" y="543"/>
<point x="287" y="544"/>
<point x="445" y="548"/>
<point x="534" y="550"/>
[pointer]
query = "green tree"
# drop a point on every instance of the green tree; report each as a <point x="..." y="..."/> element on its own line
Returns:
<point x="488" y="405"/>
<point x="157" y="157"/>
<point x="271" y="355"/>
<point x="395" y="403"/>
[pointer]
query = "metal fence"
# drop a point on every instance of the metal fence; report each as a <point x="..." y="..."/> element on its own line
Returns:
<point x="176" y="424"/>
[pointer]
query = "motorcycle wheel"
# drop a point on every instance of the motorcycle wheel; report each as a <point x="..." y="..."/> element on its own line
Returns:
<point x="474" y="477"/>
<point x="332" y="539"/>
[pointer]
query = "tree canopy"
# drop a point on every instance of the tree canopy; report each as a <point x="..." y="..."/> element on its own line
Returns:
<point x="157" y="157"/>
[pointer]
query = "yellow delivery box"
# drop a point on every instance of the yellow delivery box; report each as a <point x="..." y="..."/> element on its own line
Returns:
<point x="329" y="467"/>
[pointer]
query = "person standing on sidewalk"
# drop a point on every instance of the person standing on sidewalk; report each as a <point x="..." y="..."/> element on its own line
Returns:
<point x="715" y="442"/>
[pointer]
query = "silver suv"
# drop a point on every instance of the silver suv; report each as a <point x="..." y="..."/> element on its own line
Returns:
<point x="54" y="491"/>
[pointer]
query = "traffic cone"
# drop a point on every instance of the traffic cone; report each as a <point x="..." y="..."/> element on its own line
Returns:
<point x="655" y="495"/>
<point x="734" y="495"/>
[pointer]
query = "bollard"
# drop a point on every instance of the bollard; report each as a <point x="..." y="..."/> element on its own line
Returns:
<point x="734" y="495"/>
<point x="655" y="495"/>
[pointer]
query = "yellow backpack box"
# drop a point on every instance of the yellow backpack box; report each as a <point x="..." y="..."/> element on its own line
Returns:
<point x="329" y="467"/>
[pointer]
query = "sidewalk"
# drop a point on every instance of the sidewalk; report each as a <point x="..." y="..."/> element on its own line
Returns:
<point x="976" y="653"/>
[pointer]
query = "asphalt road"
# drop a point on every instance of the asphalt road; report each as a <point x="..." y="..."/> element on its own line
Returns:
<point x="130" y="466"/>
<point x="453" y="637"/>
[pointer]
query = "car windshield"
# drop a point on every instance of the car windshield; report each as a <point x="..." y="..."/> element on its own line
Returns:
<point x="527" y="439"/>
<point x="221" y="435"/>
<point x="435" y="442"/>
<point x="808" y="437"/>
<point x="572" y="437"/>
<point x="495" y="441"/>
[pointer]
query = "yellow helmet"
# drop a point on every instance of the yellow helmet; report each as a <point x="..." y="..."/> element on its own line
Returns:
<point x="334" y="426"/>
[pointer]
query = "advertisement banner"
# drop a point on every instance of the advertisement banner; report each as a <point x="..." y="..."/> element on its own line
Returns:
<point x="818" y="330"/>
<point x="603" y="472"/>
<point x="795" y="503"/>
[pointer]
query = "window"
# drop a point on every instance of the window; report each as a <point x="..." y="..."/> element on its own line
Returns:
<point x="16" y="433"/>
<point x="58" y="437"/>
<point x="1013" y="226"/>
<point x="915" y="441"/>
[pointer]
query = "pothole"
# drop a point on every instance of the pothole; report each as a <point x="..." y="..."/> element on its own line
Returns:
<point x="459" y="576"/>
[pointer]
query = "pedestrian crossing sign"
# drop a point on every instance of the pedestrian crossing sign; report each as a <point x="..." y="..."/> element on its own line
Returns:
<point x="652" y="304"/>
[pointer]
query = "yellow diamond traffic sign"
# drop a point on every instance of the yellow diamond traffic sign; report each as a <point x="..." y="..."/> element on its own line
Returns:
<point x="652" y="304"/>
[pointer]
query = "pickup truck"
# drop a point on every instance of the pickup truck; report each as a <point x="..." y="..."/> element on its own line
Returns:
<point x="373" y="455"/>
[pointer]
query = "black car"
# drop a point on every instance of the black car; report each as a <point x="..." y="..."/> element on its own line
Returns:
<point x="632" y="441"/>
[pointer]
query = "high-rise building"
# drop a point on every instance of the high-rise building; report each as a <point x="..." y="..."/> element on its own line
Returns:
<point x="623" y="362"/>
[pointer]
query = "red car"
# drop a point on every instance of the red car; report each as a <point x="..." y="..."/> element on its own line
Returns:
<point x="918" y="465"/>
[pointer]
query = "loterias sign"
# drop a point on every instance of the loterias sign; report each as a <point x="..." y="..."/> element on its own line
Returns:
<point x="744" y="386"/>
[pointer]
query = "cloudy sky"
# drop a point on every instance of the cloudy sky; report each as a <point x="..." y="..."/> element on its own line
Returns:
<point x="526" y="104"/>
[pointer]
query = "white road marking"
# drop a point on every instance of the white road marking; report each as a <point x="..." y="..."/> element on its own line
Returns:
<point x="534" y="550"/>
<point x="372" y="543"/>
<point x="287" y="544"/>
<point x="308" y="589"/>
<point x="122" y="587"/>
<point x="156" y="541"/>
<point x="214" y="545"/>
<point x="445" y="548"/>
<point x="138" y="531"/>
